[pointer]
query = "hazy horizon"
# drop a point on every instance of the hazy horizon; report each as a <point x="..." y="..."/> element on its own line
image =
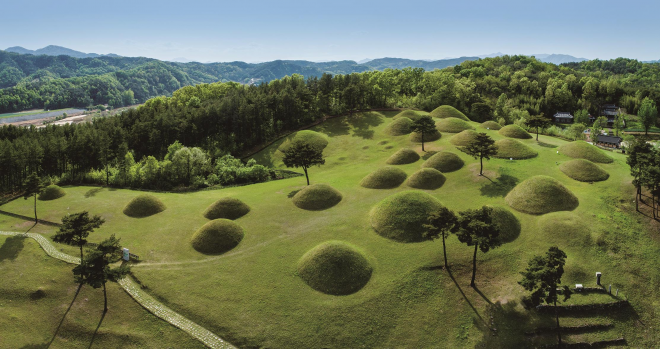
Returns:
<point x="260" y="31"/>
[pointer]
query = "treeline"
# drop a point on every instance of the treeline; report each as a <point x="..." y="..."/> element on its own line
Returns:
<point x="230" y="118"/>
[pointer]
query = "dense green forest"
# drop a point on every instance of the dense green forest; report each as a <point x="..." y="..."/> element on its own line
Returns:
<point x="28" y="81"/>
<point x="230" y="118"/>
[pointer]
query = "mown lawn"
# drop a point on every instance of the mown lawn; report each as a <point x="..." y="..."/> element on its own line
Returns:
<point x="252" y="296"/>
<point x="39" y="307"/>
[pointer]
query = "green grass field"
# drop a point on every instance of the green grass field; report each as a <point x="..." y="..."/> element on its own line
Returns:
<point x="252" y="295"/>
<point x="37" y="295"/>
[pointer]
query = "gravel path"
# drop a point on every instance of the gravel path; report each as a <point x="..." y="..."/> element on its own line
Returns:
<point x="144" y="299"/>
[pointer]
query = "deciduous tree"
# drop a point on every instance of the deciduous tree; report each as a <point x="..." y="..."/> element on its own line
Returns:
<point x="441" y="223"/>
<point x="476" y="228"/>
<point x="33" y="186"/>
<point x="304" y="155"/>
<point x="95" y="269"/>
<point x="538" y="122"/>
<point x="542" y="278"/>
<point x="76" y="228"/>
<point x="482" y="147"/>
<point x="648" y="114"/>
<point x="424" y="125"/>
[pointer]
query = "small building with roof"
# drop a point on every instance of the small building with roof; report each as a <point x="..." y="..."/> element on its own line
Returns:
<point x="561" y="117"/>
<point x="609" y="141"/>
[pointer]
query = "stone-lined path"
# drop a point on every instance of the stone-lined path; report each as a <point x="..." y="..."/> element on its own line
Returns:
<point x="145" y="300"/>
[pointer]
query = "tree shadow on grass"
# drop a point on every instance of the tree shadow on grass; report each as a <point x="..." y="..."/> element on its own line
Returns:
<point x="97" y="330"/>
<point x="335" y="127"/>
<point x="12" y="247"/>
<point x="428" y="154"/>
<point x="500" y="186"/>
<point x="547" y="145"/>
<point x="63" y="317"/>
<point x="362" y="123"/>
<point x="92" y="192"/>
<point x="293" y="193"/>
<point x="466" y="298"/>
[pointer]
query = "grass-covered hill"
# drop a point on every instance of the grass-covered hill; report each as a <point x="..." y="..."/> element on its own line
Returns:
<point x="282" y="285"/>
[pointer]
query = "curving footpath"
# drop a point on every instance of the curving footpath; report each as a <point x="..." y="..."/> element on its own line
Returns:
<point x="145" y="300"/>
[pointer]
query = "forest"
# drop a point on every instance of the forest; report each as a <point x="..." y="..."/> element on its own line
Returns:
<point x="228" y="118"/>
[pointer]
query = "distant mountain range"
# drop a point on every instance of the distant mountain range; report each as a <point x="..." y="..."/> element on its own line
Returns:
<point x="378" y="64"/>
<point x="53" y="50"/>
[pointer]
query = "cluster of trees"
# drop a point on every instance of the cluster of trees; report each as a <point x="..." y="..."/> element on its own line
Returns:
<point x="97" y="153"/>
<point x="181" y="167"/>
<point x="98" y="266"/>
<point x="542" y="276"/>
<point x="644" y="162"/>
<point x="229" y="118"/>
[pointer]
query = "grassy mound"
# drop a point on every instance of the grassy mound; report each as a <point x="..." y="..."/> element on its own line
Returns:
<point x="463" y="138"/>
<point x="228" y="208"/>
<point x="384" y="178"/>
<point x="541" y="194"/>
<point x="317" y="197"/>
<point x="511" y="148"/>
<point x="453" y="125"/>
<point x="52" y="192"/>
<point x="401" y="217"/>
<point x="514" y="131"/>
<point x="491" y="125"/>
<point x="217" y="236"/>
<point x="410" y="114"/>
<point x="508" y="224"/>
<point x="335" y="268"/>
<point x="565" y="227"/>
<point x="428" y="137"/>
<point x="312" y="138"/>
<point x="403" y="156"/>
<point x="584" y="150"/>
<point x="447" y="111"/>
<point x="444" y="162"/>
<point x="143" y="205"/>
<point x="426" y="178"/>
<point x="399" y="127"/>
<point x="584" y="171"/>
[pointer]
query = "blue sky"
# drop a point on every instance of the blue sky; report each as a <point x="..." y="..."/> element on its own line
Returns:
<point x="254" y="31"/>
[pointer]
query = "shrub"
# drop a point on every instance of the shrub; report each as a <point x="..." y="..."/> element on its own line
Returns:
<point x="426" y="178"/>
<point x="401" y="217"/>
<point x="52" y="192"/>
<point x="403" y="156"/>
<point x="317" y="197"/>
<point x="217" y="236"/>
<point x="335" y="268"/>
<point x="143" y="205"/>
<point x="444" y="162"/>
<point x="584" y="171"/>
<point x="511" y="148"/>
<point x="453" y="125"/>
<point x="447" y="111"/>
<point x="463" y="138"/>
<point x="514" y="131"/>
<point x="384" y="178"/>
<point x="228" y="208"/>
<point x="399" y="127"/>
<point x="541" y="194"/>
<point x="584" y="150"/>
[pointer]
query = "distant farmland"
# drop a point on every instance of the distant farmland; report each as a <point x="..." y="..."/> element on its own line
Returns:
<point x="31" y="115"/>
